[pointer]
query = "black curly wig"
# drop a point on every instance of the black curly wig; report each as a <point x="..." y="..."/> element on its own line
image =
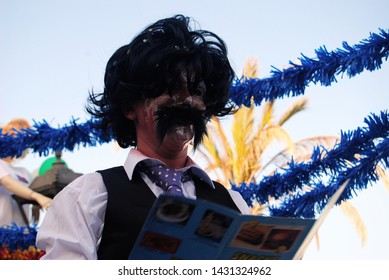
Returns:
<point x="152" y="64"/>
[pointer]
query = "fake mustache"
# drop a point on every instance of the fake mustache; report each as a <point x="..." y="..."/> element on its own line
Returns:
<point x="169" y="117"/>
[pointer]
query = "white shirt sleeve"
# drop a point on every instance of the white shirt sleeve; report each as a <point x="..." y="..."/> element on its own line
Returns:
<point x="72" y="227"/>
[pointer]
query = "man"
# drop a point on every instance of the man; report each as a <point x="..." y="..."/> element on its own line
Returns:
<point x="160" y="91"/>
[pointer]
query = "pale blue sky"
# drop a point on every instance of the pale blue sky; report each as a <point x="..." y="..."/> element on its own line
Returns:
<point x="53" y="52"/>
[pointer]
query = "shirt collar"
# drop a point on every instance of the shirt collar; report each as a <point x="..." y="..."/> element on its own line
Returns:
<point x="135" y="156"/>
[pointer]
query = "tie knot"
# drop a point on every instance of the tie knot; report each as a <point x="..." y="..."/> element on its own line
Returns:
<point x="169" y="179"/>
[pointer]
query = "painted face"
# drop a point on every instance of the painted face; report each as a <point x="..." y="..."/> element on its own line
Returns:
<point x="174" y="118"/>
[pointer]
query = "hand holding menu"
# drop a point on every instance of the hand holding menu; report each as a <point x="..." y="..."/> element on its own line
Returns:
<point x="181" y="228"/>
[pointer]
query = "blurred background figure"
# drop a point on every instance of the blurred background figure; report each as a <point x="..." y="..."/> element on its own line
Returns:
<point x="15" y="181"/>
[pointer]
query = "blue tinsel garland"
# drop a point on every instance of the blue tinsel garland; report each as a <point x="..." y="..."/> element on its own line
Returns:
<point x="17" y="237"/>
<point x="371" y="144"/>
<point x="367" y="55"/>
<point x="43" y="138"/>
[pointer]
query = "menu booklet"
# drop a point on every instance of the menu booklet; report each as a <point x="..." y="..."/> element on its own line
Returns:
<point x="181" y="228"/>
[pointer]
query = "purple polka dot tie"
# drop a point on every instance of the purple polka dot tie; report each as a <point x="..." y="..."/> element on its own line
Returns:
<point x="168" y="179"/>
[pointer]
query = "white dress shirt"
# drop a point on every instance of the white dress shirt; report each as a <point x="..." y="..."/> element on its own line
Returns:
<point x="73" y="224"/>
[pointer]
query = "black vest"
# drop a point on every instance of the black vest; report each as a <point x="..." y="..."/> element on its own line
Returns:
<point x="128" y="205"/>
